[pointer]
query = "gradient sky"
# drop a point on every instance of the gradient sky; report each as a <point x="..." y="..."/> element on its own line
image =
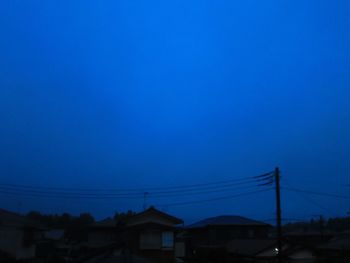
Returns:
<point x="131" y="94"/>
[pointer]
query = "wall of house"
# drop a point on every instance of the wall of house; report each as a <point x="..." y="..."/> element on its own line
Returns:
<point x="302" y="256"/>
<point x="26" y="252"/>
<point x="150" y="239"/>
<point x="214" y="235"/>
<point x="158" y="256"/>
<point x="148" y="242"/>
<point x="199" y="237"/>
<point x="155" y="238"/>
<point x="11" y="241"/>
<point x="100" y="237"/>
<point x="180" y="249"/>
<point x="222" y="234"/>
<point x="225" y="233"/>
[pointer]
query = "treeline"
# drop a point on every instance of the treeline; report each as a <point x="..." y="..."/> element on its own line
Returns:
<point x="67" y="220"/>
<point x="61" y="221"/>
<point x="321" y="224"/>
<point x="74" y="226"/>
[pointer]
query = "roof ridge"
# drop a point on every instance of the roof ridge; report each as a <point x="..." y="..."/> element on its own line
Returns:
<point x="155" y="210"/>
<point x="226" y="220"/>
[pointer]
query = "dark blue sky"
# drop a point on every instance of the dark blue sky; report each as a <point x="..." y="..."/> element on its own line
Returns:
<point x="135" y="94"/>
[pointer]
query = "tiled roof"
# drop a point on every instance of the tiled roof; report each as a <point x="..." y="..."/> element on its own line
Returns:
<point x="154" y="211"/>
<point x="226" y="220"/>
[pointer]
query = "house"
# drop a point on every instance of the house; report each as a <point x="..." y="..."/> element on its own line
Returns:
<point x="117" y="256"/>
<point x="337" y="249"/>
<point x="218" y="230"/>
<point x="151" y="235"/>
<point x="93" y="239"/>
<point x="205" y="241"/>
<point x="19" y="235"/>
<point x="102" y="233"/>
<point x="47" y="247"/>
<point x="249" y="249"/>
<point x="308" y="237"/>
<point x="145" y="237"/>
<point x="265" y="250"/>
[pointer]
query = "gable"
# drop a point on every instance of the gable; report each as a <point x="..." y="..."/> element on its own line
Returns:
<point x="150" y="219"/>
<point x="155" y="216"/>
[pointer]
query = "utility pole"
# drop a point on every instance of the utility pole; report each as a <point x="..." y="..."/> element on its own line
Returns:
<point x="268" y="179"/>
<point x="279" y="215"/>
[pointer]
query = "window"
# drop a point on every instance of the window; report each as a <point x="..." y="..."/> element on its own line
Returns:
<point x="167" y="239"/>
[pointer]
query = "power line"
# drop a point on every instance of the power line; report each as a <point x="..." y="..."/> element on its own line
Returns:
<point x="180" y="187"/>
<point x="215" y="199"/>
<point x="316" y="193"/>
<point x="197" y="190"/>
<point x="158" y="192"/>
<point x="183" y="187"/>
<point x="126" y="193"/>
<point x="305" y="197"/>
<point x="33" y="193"/>
<point x="204" y="192"/>
<point x="186" y="202"/>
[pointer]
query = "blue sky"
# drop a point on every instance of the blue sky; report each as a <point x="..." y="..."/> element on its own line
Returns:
<point x="132" y="94"/>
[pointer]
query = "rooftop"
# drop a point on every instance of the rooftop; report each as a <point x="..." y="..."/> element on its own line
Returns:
<point x="226" y="220"/>
<point x="152" y="211"/>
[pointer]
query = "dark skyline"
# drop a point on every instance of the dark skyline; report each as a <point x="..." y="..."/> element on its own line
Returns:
<point x="135" y="94"/>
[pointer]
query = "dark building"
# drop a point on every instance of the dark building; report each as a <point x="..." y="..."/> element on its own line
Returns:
<point x="151" y="234"/>
<point x="19" y="235"/>
<point x="205" y="241"/>
<point x="102" y="233"/>
<point x="148" y="236"/>
<point x="221" y="229"/>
